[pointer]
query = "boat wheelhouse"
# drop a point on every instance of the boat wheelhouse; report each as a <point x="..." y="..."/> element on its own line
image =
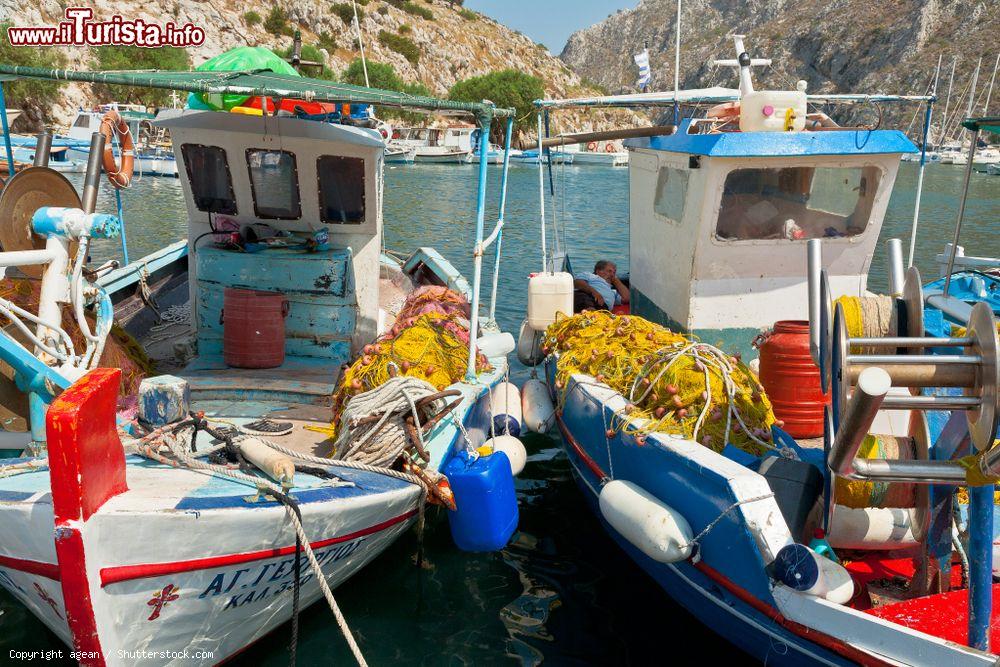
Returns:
<point x="285" y="238"/>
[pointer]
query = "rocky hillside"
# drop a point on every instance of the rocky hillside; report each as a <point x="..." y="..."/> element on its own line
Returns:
<point x="837" y="46"/>
<point x="451" y="43"/>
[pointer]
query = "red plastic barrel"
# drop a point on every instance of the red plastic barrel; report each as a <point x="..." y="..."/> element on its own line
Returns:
<point x="791" y="379"/>
<point x="253" y="328"/>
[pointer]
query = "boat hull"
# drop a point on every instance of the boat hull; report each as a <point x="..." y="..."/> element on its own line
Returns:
<point x="728" y="588"/>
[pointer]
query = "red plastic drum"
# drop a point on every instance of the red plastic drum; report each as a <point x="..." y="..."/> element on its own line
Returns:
<point x="791" y="379"/>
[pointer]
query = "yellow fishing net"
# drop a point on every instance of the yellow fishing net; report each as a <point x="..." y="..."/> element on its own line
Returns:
<point x="431" y="347"/>
<point x="674" y="384"/>
<point x="859" y="493"/>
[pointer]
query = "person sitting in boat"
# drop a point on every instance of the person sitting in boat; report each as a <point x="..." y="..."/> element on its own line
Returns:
<point x="602" y="289"/>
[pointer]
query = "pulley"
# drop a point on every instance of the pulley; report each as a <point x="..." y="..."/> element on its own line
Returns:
<point x="24" y="194"/>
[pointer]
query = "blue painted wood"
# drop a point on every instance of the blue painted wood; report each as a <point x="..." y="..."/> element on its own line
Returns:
<point x="778" y="144"/>
<point x="308" y="314"/>
<point x="335" y="352"/>
<point x="280" y="270"/>
<point x="700" y="494"/>
<point x="440" y="267"/>
<point x="164" y="399"/>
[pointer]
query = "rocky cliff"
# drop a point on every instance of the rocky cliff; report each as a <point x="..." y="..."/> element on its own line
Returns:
<point x="836" y="46"/>
<point x="452" y="43"/>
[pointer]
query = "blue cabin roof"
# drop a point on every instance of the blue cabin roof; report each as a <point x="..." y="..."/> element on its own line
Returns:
<point x="778" y="144"/>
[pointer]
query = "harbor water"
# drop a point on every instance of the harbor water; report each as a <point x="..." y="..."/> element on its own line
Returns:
<point x="561" y="593"/>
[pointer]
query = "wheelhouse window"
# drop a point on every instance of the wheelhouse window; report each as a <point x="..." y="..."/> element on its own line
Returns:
<point x="797" y="203"/>
<point x="671" y="192"/>
<point x="274" y="179"/>
<point x="208" y="173"/>
<point x="341" y="189"/>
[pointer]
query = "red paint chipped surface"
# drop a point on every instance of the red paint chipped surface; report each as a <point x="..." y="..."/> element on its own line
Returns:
<point x="945" y="615"/>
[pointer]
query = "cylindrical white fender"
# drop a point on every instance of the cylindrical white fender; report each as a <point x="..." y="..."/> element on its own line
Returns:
<point x="652" y="526"/>
<point x="514" y="450"/>
<point x="802" y="569"/>
<point x="273" y="464"/>
<point x="496" y="344"/>
<point x="536" y="406"/>
<point x="529" y="345"/>
<point x="871" y="528"/>
<point x="505" y="406"/>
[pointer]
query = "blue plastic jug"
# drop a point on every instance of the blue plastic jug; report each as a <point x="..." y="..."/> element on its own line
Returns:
<point x="487" y="503"/>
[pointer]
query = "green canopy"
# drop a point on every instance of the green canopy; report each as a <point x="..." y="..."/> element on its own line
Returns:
<point x="257" y="83"/>
<point x="987" y="124"/>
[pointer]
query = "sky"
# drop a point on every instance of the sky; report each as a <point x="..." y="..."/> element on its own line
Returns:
<point x="549" y="22"/>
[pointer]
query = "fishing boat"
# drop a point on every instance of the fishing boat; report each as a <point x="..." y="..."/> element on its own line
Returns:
<point x="530" y="157"/>
<point x="442" y="145"/>
<point x="400" y="154"/>
<point x="607" y="156"/>
<point x="823" y="534"/>
<point x="321" y="390"/>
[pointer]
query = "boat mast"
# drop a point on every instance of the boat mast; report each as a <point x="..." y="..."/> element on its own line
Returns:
<point x="989" y="92"/>
<point x="923" y="163"/>
<point x="947" y="102"/>
<point x="677" y="61"/>
<point x="972" y="90"/>
<point x="361" y="42"/>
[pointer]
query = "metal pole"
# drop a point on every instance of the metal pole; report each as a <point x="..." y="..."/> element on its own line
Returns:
<point x="477" y="274"/>
<point x="6" y="133"/>
<point x="43" y="146"/>
<point x="92" y="181"/>
<point x="896" y="271"/>
<point x="541" y="194"/>
<point x="814" y="264"/>
<point x="121" y="218"/>
<point x="961" y="211"/>
<point x="503" y="211"/>
<point x="947" y="101"/>
<point x="980" y="565"/>
<point x="920" y="183"/>
<point x="873" y="385"/>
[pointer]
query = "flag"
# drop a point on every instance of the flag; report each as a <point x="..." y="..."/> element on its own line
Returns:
<point x="642" y="62"/>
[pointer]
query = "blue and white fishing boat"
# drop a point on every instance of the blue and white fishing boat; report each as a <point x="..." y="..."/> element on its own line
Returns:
<point x="125" y="531"/>
<point x="835" y="549"/>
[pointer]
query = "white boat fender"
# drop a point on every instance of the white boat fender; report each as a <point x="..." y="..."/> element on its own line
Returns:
<point x="513" y="448"/>
<point x="529" y="345"/>
<point x="496" y="344"/>
<point x="802" y="569"/>
<point x="652" y="526"/>
<point x="536" y="406"/>
<point x="505" y="406"/>
<point x="872" y="527"/>
<point x="275" y="465"/>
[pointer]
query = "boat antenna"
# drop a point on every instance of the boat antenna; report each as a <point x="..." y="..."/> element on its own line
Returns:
<point x="744" y="62"/>
<point x="989" y="93"/>
<point x="677" y="63"/>
<point x="361" y="42"/>
<point x="947" y="101"/>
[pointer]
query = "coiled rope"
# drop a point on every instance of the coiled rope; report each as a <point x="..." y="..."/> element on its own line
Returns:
<point x="870" y="317"/>
<point x="381" y="412"/>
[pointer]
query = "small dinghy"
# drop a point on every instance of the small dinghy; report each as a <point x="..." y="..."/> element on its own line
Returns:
<point x="320" y="391"/>
<point x="803" y="510"/>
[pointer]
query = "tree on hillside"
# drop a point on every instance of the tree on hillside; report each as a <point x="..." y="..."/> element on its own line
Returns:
<point x="33" y="96"/>
<point x="506" y="88"/>
<point x="383" y="75"/>
<point x="136" y="57"/>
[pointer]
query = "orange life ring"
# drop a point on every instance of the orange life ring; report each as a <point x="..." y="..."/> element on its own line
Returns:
<point x="609" y="148"/>
<point x="592" y="146"/>
<point x="118" y="175"/>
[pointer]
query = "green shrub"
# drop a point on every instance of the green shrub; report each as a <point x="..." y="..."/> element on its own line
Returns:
<point x="310" y="52"/>
<point x="252" y="18"/>
<point x="326" y="41"/>
<point x="383" y="9"/>
<point x="276" y="22"/>
<point x="30" y="93"/>
<point x="404" y="29"/>
<point x="136" y="57"/>
<point x="506" y="88"/>
<point x="417" y="10"/>
<point x="400" y="45"/>
<point x="346" y="12"/>
<point x="468" y="14"/>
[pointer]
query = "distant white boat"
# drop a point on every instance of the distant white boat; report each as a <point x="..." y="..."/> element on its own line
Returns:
<point x="153" y="155"/>
<point x="395" y="154"/>
<point x="449" y="145"/>
<point x="605" y="158"/>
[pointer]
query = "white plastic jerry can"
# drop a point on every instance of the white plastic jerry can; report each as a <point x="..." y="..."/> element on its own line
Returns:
<point x="549" y="294"/>
<point x="773" y="111"/>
